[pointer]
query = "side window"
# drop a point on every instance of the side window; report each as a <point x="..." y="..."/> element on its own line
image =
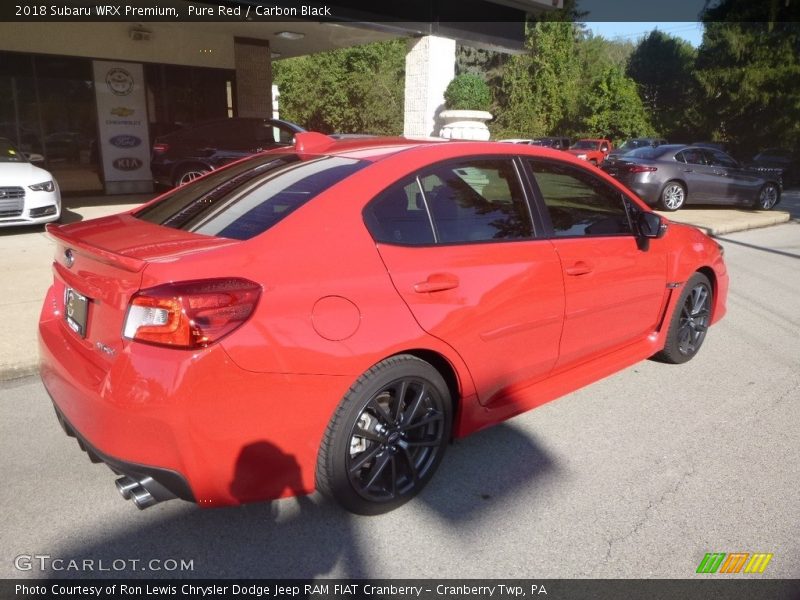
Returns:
<point x="580" y="204"/>
<point x="720" y="159"/>
<point x="267" y="133"/>
<point x="234" y="134"/>
<point x="476" y="200"/>
<point x="692" y="157"/>
<point x="398" y="216"/>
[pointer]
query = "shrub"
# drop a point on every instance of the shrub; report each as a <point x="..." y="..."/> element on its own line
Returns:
<point x="467" y="92"/>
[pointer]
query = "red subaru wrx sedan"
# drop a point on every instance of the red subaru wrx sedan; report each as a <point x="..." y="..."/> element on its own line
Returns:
<point x="331" y="316"/>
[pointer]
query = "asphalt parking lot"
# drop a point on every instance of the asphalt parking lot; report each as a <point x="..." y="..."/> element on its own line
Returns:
<point x="638" y="475"/>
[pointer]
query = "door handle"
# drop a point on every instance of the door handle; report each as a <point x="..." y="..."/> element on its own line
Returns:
<point x="579" y="268"/>
<point x="688" y="170"/>
<point x="437" y="282"/>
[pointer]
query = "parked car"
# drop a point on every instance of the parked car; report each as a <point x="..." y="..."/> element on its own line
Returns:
<point x="186" y="154"/>
<point x="559" y="143"/>
<point x="331" y="315"/>
<point x="591" y="150"/>
<point x="29" y="195"/>
<point x="633" y="144"/>
<point x="673" y="175"/>
<point x="785" y="161"/>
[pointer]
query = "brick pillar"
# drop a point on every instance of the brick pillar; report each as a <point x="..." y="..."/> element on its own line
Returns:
<point x="253" y="77"/>
<point x="430" y="66"/>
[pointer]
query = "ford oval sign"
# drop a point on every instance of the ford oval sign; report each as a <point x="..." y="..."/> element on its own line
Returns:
<point x="127" y="163"/>
<point x="125" y="141"/>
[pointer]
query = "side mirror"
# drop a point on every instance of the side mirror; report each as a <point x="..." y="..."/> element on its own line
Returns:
<point x="603" y="148"/>
<point x="651" y="225"/>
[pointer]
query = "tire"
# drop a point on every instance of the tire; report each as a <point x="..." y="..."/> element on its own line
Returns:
<point x="672" y="197"/>
<point x="689" y="322"/>
<point x="402" y="445"/>
<point x="768" y="197"/>
<point x="187" y="174"/>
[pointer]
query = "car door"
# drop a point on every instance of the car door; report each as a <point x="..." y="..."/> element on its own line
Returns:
<point x="614" y="289"/>
<point x="694" y="167"/>
<point x="738" y="184"/>
<point x="458" y="242"/>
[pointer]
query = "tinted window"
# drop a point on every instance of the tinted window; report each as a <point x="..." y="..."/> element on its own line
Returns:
<point x="474" y="201"/>
<point x="477" y="200"/>
<point x="720" y="159"/>
<point x="209" y="133"/>
<point x="648" y="152"/>
<point x="250" y="197"/>
<point x="692" y="156"/>
<point x="578" y="203"/>
<point x="399" y="216"/>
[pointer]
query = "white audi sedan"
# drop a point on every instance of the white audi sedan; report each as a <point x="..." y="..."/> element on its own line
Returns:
<point x="28" y="195"/>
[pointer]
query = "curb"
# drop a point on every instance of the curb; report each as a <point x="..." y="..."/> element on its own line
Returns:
<point x="734" y="228"/>
<point x="756" y="221"/>
<point x="18" y="371"/>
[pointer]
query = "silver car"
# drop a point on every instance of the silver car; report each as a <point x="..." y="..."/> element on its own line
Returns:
<point x="672" y="175"/>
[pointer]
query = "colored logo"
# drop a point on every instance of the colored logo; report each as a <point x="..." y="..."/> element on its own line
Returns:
<point x="720" y="562"/>
<point x="125" y="141"/>
<point x="122" y="111"/>
<point x="119" y="81"/>
<point x="127" y="163"/>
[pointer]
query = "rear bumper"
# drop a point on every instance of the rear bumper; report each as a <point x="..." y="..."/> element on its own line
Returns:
<point x="648" y="191"/>
<point x="173" y="482"/>
<point x="198" y="424"/>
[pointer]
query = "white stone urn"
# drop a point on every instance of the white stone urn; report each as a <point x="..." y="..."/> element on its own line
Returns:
<point x="465" y="124"/>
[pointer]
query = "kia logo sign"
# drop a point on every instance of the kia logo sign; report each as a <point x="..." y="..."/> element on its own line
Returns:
<point x="127" y="163"/>
<point x="125" y="141"/>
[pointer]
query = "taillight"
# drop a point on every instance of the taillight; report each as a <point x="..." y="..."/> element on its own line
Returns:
<point x="639" y="169"/>
<point x="190" y="314"/>
<point x="160" y="148"/>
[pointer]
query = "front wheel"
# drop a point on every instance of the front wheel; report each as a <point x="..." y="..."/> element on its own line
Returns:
<point x="672" y="196"/>
<point x="387" y="437"/>
<point x="768" y="197"/>
<point x="690" y="321"/>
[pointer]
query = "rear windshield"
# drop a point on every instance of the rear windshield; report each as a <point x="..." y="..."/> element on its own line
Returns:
<point x="248" y="198"/>
<point x="633" y="144"/>
<point x="648" y="152"/>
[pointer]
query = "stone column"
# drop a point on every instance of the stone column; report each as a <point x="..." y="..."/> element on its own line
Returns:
<point x="253" y="77"/>
<point x="430" y="66"/>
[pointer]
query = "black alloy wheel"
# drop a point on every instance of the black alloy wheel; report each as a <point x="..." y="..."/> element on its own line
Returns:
<point x="387" y="437"/>
<point x="690" y="321"/>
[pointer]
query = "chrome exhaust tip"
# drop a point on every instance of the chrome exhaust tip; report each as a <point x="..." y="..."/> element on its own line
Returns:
<point x="125" y="486"/>
<point x="142" y="498"/>
<point x="144" y="492"/>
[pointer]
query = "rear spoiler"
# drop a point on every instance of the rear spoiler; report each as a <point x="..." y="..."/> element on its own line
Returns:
<point x="128" y="263"/>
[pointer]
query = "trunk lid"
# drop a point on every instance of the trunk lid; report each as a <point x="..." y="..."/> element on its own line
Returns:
<point x="99" y="265"/>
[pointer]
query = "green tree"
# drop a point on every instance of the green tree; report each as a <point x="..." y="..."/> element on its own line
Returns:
<point x="613" y="108"/>
<point x="597" y="54"/>
<point x="539" y="90"/>
<point x="750" y="78"/>
<point x="663" y="68"/>
<point x="351" y="90"/>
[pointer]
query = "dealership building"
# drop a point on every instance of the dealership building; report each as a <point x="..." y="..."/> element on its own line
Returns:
<point x="91" y="96"/>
